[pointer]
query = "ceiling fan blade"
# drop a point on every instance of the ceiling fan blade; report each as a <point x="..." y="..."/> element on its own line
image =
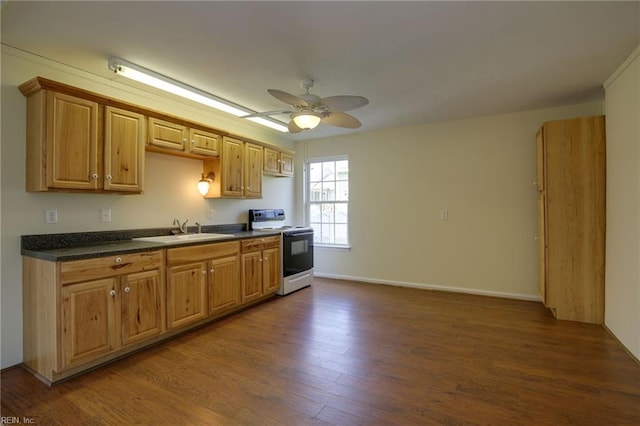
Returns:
<point x="287" y="98"/>
<point x="341" y="119"/>
<point x="266" y="113"/>
<point x="344" y="102"/>
<point x="293" y="128"/>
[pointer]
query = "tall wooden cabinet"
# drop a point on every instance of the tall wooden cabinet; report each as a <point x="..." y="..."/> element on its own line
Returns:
<point x="571" y="217"/>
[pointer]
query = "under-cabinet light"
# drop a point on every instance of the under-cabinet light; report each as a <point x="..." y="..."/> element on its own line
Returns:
<point x="159" y="81"/>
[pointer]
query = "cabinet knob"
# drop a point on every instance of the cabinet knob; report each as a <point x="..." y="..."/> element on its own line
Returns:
<point x="204" y="272"/>
<point x="118" y="259"/>
<point x="212" y="270"/>
<point x="184" y="140"/>
<point x="112" y="293"/>
<point x="193" y="141"/>
<point x="127" y="289"/>
<point x="94" y="176"/>
<point x="108" y="177"/>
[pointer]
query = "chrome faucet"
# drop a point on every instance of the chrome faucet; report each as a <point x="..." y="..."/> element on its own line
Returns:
<point x="182" y="227"/>
<point x="199" y="227"/>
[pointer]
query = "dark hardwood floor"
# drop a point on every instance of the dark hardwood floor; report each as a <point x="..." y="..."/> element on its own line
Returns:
<point x="349" y="353"/>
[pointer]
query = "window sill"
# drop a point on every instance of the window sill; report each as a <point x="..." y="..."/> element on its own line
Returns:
<point x="332" y="246"/>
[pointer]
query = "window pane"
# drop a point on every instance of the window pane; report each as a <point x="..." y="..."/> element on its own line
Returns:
<point x="342" y="190"/>
<point x="315" y="191"/>
<point x="314" y="213"/>
<point x="328" y="171"/>
<point x="327" y="213"/>
<point x="341" y="236"/>
<point x="329" y="191"/>
<point x="341" y="211"/>
<point x="315" y="172"/>
<point x="327" y="234"/>
<point x="342" y="170"/>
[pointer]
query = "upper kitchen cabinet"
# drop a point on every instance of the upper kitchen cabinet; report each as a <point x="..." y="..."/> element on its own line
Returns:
<point x="123" y="150"/>
<point x="277" y="163"/>
<point x="238" y="171"/>
<point x="178" y="139"/>
<point x="77" y="144"/>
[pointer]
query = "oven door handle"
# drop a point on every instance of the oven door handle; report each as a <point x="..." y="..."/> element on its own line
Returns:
<point x="301" y="234"/>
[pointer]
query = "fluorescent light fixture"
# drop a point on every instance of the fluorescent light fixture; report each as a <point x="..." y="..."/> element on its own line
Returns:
<point x="159" y="81"/>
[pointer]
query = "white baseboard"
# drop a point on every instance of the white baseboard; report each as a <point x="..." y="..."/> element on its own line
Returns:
<point x="432" y="287"/>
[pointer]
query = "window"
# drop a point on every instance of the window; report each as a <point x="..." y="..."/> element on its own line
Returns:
<point x="328" y="200"/>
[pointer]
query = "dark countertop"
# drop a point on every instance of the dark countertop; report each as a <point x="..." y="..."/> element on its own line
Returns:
<point x="85" y="245"/>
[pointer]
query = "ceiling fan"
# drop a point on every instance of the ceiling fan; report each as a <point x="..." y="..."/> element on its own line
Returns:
<point x="309" y="110"/>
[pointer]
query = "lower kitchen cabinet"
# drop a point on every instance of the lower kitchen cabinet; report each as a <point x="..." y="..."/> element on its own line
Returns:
<point x="80" y="313"/>
<point x="186" y="294"/>
<point x="203" y="281"/>
<point x="260" y="267"/>
<point x="224" y="284"/>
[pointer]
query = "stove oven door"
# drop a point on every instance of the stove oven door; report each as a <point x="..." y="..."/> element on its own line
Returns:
<point x="297" y="253"/>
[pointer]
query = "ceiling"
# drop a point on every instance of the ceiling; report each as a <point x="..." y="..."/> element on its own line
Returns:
<point x="417" y="62"/>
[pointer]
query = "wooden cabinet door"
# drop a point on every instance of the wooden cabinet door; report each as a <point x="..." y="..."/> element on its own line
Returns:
<point x="540" y="160"/>
<point x="270" y="270"/>
<point x="271" y="162"/>
<point x="71" y="142"/>
<point x="286" y="164"/>
<point x="251" y="276"/>
<point x="186" y="294"/>
<point x="123" y="150"/>
<point x="89" y="322"/>
<point x="224" y="284"/>
<point x="142" y="296"/>
<point x="253" y="171"/>
<point x="232" y="167"/>
<point x="167" y="135"/>
<point x="542" y="249"/>
<point x="204" y="143"/>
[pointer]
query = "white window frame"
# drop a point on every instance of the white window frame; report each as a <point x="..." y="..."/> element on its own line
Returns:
<point x="308" y="201"/>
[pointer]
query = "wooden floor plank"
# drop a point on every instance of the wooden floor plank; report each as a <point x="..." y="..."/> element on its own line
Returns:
<point x="346" y="353"/>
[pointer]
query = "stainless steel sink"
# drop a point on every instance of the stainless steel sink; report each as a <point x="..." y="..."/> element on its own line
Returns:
<point x="183" y="238"/>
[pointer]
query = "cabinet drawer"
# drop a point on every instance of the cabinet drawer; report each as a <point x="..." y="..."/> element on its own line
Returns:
<point x="89" y="269"/>
<point x="201" y="252"/>
<point x="260" y="243"/>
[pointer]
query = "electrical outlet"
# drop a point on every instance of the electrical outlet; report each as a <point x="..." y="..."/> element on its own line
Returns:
<point x="105" y="215"/>
<point x="51" y="216"/>
<point x="444" y="214"/>
<point x="211" y="214"/>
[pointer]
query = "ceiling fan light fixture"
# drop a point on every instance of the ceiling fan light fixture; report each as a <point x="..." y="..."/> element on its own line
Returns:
<point x="307" y="120"/>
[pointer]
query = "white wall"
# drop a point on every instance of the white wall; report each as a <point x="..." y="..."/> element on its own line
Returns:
<point x="481" y="170"/>
<point x="170" y="182"/>
<point x="622" y="290"/>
